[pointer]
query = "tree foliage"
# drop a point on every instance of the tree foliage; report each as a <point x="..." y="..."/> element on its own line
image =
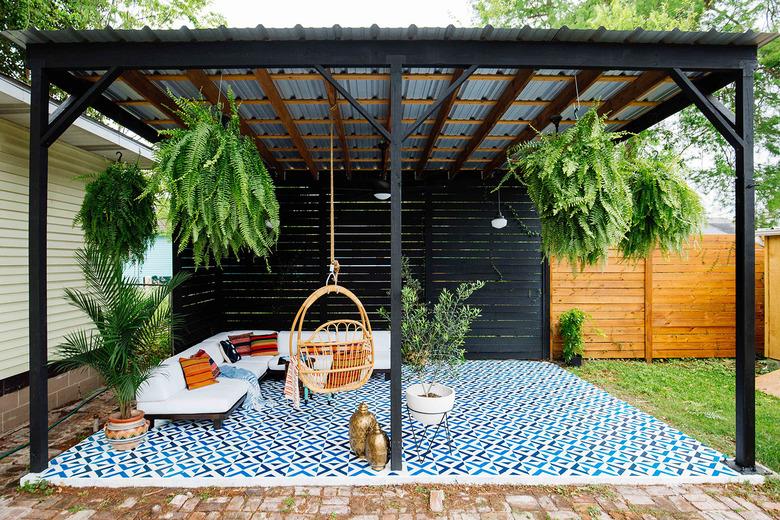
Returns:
<point x="129" y="323"/>
<point x="115" y="216"/>
<point x="711" y="158"/>
<point x="578" y="183"/>
<point x="666" y="212"/>
<point x="95" y="14"/>
<point x="222" y="198"/>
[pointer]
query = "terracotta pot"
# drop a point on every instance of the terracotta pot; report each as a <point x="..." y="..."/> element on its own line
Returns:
<point x="430" y="409"/>
<point x="126" y="434"/>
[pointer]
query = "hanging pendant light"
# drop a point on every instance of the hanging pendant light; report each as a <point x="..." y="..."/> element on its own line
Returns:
<point x="499" y="222"/>
<point x="381" y="187"/>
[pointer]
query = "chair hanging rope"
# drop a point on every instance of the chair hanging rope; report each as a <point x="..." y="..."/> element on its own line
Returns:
<point x="339" y="355"/>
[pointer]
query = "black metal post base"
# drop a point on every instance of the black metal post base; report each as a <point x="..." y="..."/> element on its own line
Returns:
<point x="758" y="469"/>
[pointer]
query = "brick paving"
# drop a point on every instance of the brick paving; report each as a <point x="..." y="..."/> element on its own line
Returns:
<point x="711" y="502"/>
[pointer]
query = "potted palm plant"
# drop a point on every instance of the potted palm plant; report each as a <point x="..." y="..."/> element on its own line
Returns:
<point x="127" y="341"/>
<point x="432" y="340"/>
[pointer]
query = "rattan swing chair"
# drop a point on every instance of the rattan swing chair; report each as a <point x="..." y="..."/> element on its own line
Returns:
<point x="339" y="355"/>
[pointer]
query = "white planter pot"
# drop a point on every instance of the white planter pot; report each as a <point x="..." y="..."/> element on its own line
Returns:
<point x="430" y="410"/>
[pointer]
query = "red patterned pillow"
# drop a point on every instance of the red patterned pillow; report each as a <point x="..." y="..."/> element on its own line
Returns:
<point x="241" y="342"/>
<point x="263" y="344"/>
<point x="212" y="364"/>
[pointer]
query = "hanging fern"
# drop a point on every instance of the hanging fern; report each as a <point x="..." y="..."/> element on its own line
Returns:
<point x="666" y="211"/>
<point x="578" y="184"/>
<point x="222" y="198"/>
<point x="114" y="216"/>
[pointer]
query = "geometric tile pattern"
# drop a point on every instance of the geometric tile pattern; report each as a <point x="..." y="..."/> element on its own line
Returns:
<point x="511" y="418"/>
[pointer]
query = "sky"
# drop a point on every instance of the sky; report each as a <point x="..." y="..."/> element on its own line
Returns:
<point x="347" y="13"/>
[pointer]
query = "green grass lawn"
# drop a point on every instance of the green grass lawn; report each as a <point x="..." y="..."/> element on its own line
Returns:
<point x="694" y="396"/>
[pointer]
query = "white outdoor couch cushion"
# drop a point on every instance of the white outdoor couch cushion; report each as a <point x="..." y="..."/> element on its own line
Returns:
<point x="167" y="386"/>
<point x="217" y="398"/>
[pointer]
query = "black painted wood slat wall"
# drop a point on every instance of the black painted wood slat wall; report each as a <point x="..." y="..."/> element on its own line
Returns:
<point x="447" y="239"/>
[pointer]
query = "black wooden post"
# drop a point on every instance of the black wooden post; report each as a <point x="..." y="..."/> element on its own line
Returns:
<point x="39" y="176"/>
<point x="396" y="140"/>
<point x="745" y="244"/>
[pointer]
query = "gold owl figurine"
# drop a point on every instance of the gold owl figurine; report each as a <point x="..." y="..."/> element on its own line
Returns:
<point x="360" y="424"/>
<point x="377" y="448"/>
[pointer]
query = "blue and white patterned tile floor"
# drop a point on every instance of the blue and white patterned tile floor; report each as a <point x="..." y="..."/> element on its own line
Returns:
<point x="514" y="422"/>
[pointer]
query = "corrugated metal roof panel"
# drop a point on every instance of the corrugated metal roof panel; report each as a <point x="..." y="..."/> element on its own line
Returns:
<point x="489" y="33"/>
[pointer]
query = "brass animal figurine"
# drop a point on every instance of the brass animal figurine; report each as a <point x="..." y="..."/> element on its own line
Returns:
<point x="361" y="422"/>
<point x="377" y="448"/>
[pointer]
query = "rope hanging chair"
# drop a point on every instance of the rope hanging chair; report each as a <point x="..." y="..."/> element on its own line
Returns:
<point x="339" y="355"/>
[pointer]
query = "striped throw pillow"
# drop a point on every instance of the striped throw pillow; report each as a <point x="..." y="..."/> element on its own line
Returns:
<point x="197" y="372"/>
<point x="263" y="344"/>
<point x="241" y="342"/>
<point x="212" y="363"/>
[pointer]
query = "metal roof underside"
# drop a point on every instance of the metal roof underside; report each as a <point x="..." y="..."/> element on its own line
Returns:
<point x="472" y="136"/>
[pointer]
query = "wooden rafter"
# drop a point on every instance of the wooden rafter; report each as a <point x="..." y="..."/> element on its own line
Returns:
<point x="156" y="97"/>
<point x="335" y="113"/>
<point x="211" y="92"/>
<point x="438" y="125"/>
<point x="277" y="102"/>
<point x="566" y="97"/>
<point x="515" y="87"/>
<point x="626" y="96"/>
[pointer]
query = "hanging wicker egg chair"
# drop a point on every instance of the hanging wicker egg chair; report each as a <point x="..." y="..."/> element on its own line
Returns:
<point x="339" y="355"/>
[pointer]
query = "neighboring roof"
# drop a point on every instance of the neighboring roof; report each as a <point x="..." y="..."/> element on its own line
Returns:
<point x="84" y="133"/>
<point x="768" y="232"/>
<point x="719" y="226"/>
<point x="487" y="33"/>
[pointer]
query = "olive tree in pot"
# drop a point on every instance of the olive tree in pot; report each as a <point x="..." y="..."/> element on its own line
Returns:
<point x="432" y="339"/>
<point x="127" y="341"/>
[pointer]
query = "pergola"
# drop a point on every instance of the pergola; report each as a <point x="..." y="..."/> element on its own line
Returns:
<point x="459" y="98"/>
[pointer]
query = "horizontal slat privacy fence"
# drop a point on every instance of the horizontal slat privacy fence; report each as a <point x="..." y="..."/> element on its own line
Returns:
<point x="663" y="308"/>
<point x="447" y="238"/>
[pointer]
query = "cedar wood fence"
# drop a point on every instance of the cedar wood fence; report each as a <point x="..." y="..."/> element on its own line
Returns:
<point x="660" y="308"/>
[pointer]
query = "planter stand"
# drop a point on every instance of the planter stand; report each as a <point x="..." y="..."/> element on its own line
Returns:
<point x="424" y="435"/>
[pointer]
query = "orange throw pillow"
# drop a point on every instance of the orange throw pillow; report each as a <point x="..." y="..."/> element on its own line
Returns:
<point x="197" y="372"/>
<point x="212" y="363"/>
<point x="347" y="356"/>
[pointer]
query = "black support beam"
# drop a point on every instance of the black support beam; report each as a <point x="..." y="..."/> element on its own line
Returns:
<point x="39" y="178"/>
<point x="375" y="53"/>
<point x="75" y="105"/>
<point x="396" y="141"/>
<point x="76" y="87"/>
<point x="711" y="112"/>
<point x="745" y="259"/>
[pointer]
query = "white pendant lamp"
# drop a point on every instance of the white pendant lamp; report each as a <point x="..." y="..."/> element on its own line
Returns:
<point x="381" y="189"/>
<point x="499" y="222"/>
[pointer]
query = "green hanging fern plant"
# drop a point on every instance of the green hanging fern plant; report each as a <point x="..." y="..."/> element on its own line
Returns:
<point x="577" y="181"/>
<point x="222" y="198"/>
<point x="666" y="211"/>
<point x="115" y="216"/>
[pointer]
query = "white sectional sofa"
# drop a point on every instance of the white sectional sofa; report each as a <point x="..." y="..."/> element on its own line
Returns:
<point x="165" y="394"/>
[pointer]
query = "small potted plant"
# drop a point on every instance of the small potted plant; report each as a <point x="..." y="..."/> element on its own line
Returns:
<point x="127" y="341"/>
<point x="432" y="340"/>
<point x="570" y="326"/>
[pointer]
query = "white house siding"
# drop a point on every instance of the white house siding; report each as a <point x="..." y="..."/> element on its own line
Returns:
<point x="65" y="194"/>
